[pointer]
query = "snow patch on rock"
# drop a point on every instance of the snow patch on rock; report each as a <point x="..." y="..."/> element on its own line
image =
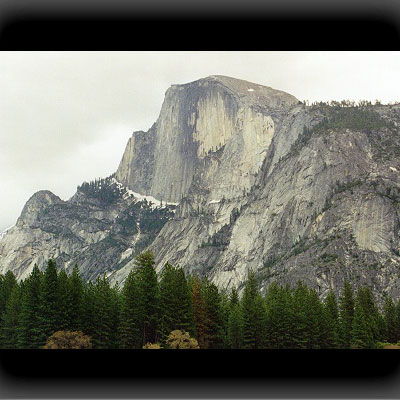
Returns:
<point x="155" y="203"/>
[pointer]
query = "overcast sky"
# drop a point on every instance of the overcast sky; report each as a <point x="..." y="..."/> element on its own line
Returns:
<point x="65" y="117"/>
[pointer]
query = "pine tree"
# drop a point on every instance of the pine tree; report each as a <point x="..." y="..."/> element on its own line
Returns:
<point x="300" y="333"/>
<point x="254" y="315"/>
<point x="89" y="317"/>
<point x="288" y="321"/>
<point x="149" y="297"/>
<point x="75" y="300"/>
<point x="331" y="312"/>
<point x="390" y="318"/>
<point x="175" y="303"/>
<point x="214" y="327"/>
<point x="130" y="313"/>
<point x="200" y="313"/>
<point x="225" y="313"/>
<point x="362" y="336"/>
<point x="29" y="322"/>
<point x="49" y="305"/>
<point x="365" y="328"/>
<point x="315" y="321"/>
<point x="116" y="303"/>
<point x="235" y="322"/>
<point x="398" y="321"/>
<point x="346" y="312"/>
<point x="65" y="315"/>
<point x="10" y="320"/>
<point x="7" y="283"/>
<point x="103" y="312"/>
<point x="278" y="317"/>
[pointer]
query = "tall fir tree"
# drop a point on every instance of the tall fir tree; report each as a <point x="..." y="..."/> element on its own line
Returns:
<point x="175" y="303"/>
<point x="278" y="317"/>
<point x="398" y="320"/>
<point x="362" y="334"/>
<point x="49" y="304"/>
<point x="75" y="300"/>
<point x="116" y="303"/>
<point x="225" y="313"/>
<point x="254" y="315"/>
<point x="346" y="313"/>
<point x="316" y="323"/>
<point x="300" y="325"/>
<point x="29" y="332"/>
<point x="214" y="322"/>
<point x="130" y="331"/>
<point x="7" y="283"/>
<point x="200" y="312"/>
<point x="10" y="320"/>
<point x="235" y="322"/>
<point x="331" y="312"/>
<point x="390" y="318"/>
<point x="89" y="318"/>
<point x="365" y="329"/>
<point x="64" y="302"/>
<point x="103" y="312"/>
<point x="149" y="297"/>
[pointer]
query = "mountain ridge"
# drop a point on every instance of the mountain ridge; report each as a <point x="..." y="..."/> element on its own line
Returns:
<point x="256" y="182"/>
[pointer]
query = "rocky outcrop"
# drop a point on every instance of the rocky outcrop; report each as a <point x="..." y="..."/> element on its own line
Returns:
<point x="324" y="208"/>
<point x="197" y="120"/>
<point x="100" y="230"/>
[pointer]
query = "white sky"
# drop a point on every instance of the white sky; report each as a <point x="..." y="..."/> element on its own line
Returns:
<point x="65" y="117"/>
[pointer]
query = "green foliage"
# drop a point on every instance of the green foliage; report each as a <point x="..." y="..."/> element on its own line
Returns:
<point x="362" y="335"/>
<point x="338" y="117"/>
<point x="146" y="310"/>
<point x="75" y="289"/>
<point x="200" y="312"/>
<point x="29" y="329"/>
<point x="130" y="313"/>
<point x="366" y="323"/>
<point x="346" y="312"/>
<point x="176" y="302"/>
<point x="10" y="320"/>
<point x="148" y="298"/>
<point x="106" y="313"/>
<point x="254" y="315"/>
<point x="49" y="304"/>
<point x="102" y="189"/>
<point x="214" y="317"/>
<point x="331" y="312"/>
<point x="278" y="325"/>
<point x="235" y="326"/>
<point x="355" y="118"/>
<point x="391" y="321"/>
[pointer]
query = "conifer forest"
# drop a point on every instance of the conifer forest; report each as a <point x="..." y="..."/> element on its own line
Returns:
<point x="50" y="309"/>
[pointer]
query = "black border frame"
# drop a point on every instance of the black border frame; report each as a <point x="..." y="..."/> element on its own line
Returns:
<point x="193" y="26"/>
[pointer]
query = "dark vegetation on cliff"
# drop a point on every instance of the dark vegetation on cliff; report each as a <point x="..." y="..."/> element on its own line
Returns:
<point x="148" y="312"/>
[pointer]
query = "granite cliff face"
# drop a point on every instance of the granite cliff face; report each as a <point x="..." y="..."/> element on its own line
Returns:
<point x="217" y="128"/>
<point x="258" y="181"/>
<point x="100" y="229"/>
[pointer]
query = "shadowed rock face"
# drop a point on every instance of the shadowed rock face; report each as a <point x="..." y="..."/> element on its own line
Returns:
<point x="255" y="190"/>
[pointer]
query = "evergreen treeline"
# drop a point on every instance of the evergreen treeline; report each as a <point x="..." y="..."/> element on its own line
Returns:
<point x="147" y="309"/>
<point x="102" y="189"/>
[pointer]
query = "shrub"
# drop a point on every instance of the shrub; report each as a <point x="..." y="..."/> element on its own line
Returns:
<point x="151" y="346"/>
<point x="68" y="340"/>
<point x="181" y="340"/>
